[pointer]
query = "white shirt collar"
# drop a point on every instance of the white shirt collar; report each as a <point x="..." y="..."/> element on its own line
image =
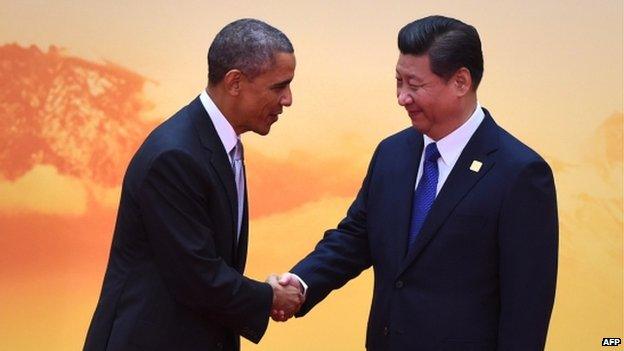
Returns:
<point x="224" y="128"/>
<point x="451" y="146"/>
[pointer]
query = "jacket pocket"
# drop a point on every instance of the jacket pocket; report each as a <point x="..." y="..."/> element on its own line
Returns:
<point x="173" y="336"/>
<point x="464" y="223"/>
<point x="467" y="345"/>
<point x="149" y="335"/>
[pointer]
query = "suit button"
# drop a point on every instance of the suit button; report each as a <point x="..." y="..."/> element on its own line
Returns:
<point x="386" y="331"/>
<point x="399" y="284"/>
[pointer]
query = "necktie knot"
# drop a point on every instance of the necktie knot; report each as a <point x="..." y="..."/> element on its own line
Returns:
<point x="431" y="152"/>
<point x="237" y="152"/>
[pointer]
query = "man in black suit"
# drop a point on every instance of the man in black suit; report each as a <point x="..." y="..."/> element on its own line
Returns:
<point x="456" y="216"/>
<point x="175" y="274"/>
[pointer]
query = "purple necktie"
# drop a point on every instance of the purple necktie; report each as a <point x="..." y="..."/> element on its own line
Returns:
<point x="425" y="193"/>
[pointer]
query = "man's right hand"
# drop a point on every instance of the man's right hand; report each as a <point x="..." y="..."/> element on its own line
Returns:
<point x="287" y="299"/>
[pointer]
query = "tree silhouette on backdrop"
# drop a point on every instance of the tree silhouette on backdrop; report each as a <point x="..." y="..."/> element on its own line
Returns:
<point x="82" y="117"/>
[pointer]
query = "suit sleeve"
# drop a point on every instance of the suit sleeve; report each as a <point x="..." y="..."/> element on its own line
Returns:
<point x="341" y="255"/>
<point x="180" y="234"/>
<point x="528" y="239"/>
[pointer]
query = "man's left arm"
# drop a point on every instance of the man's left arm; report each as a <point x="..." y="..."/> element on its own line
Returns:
<point x="528" y="243"/>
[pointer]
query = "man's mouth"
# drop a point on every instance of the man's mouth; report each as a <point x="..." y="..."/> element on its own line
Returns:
<point x="275" y="116"/>
<point x="413" y="113"/>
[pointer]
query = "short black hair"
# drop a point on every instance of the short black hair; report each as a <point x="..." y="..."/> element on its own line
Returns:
<point x="450" y="43"/>
<point x="248" y="45"/>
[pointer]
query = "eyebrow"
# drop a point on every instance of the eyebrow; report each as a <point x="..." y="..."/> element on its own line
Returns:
<point x="282" y="83"/>
<point x="410" y="76"/>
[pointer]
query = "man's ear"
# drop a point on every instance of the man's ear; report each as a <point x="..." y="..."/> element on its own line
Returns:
<point x="462" y="81"/>
<point x="232" y="81"/>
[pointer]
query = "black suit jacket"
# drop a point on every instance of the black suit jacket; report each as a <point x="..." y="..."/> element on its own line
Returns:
<point x="174" y="277"/>
<point x="481" y="275"/>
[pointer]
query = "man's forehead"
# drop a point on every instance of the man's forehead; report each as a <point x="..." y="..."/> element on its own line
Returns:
<point x="279" y="68"/>
<point x="285" y="58"/>
<point x="281" y="61"/>
<point x="413" y="66"/>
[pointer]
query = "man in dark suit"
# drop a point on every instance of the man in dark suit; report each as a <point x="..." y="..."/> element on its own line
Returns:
<point x="456" y="216"/>
<point x="175" y="274"/>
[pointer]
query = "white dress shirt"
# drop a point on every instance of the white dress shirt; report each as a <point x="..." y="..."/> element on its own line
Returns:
<point x="451" y="146"/>
<point x="228" y="138"/>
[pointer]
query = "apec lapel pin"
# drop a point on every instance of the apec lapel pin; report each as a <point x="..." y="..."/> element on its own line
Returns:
<point x="476" y="166"/>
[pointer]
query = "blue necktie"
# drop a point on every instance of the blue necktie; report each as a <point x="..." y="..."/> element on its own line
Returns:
<point x="425" y="193"/>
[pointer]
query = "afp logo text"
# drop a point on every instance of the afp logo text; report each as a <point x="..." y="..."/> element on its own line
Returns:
<point x="611" y="341"/>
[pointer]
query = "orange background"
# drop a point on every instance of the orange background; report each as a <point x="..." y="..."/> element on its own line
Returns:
<point x="81" y="84"/>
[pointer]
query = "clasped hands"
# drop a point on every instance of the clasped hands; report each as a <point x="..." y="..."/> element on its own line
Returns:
<point x="287" y="296"/>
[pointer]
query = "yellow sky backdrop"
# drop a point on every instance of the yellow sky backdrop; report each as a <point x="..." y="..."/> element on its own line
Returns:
<point x="553" y="77"/>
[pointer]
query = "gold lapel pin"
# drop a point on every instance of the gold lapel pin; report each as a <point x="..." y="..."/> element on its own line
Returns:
<point x="476" y="166"/>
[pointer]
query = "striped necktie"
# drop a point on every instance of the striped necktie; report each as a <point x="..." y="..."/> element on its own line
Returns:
<point x="425" y="193"/>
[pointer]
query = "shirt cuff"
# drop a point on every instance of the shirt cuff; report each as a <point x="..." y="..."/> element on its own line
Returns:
<point x="303" y="284"/>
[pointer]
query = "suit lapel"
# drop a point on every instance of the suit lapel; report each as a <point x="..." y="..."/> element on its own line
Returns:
<point x="459" y="182"/>
<point x="407" y="162"/>
<point x="218" y="158"/>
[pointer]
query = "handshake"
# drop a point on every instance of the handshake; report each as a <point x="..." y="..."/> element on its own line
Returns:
<point x="288" y="296"/>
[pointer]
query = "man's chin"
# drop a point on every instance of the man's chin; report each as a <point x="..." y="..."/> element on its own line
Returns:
<point x="419" y="126"/>
<point x="263" y="131"/>
<point x="266" y="128"/>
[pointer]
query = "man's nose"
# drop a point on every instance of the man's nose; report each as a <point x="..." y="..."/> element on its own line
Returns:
<point x="404" y="98"/>
<point x="286" y="99"/>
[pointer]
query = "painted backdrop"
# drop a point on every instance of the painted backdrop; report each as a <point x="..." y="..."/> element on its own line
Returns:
<point x="82" y="83"/>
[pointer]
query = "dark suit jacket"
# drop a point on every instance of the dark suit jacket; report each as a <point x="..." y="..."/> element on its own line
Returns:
<point x="481" y="275"/>
<point x="174" y="278"/>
